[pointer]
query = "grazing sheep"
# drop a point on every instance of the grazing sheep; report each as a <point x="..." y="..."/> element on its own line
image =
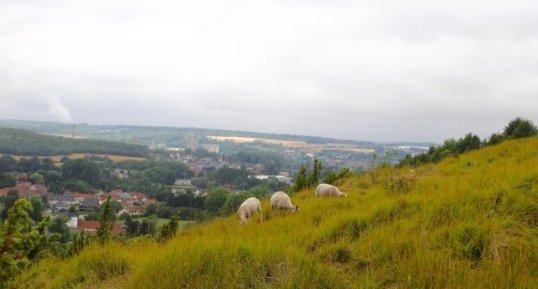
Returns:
<point x="281" y="201"/>
<point x="326" y="190"/>
<point x="249" y="208"/>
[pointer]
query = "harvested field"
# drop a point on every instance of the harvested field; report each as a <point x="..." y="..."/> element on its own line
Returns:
<point x="294" y="144"/>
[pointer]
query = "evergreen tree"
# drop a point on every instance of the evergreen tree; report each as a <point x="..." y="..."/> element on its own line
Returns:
<point x="104" y="233"/>
<point x="300" y="179"/>
<point x="313" y="179"/>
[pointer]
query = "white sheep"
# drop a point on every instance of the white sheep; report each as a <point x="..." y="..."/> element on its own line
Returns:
<point x="249" y="208"/>
<point x="326" y="190"/>
<point x="281" y="201"/>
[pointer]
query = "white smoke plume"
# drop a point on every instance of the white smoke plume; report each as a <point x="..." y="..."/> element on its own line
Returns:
<point x="57" y="109"/>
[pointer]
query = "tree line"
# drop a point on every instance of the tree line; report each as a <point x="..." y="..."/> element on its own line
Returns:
<point x="25" y="142"/>
<point x="516" y="128"/>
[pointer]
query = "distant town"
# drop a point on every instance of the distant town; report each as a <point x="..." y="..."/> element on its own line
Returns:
<point x="70" y="171"/>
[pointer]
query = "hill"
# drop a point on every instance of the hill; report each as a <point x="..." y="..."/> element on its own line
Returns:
<point x="25" y="142"/>
<point x="466" y="222"/>
<point x="179" y="136"/>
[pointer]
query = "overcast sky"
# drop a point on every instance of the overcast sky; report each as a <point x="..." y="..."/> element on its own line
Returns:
<point x="368" y="70"/>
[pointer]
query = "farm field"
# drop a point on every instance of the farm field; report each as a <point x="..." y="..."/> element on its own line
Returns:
<point x="294" y="144"/>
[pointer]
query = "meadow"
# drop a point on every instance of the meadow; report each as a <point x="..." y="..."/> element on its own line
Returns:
<point x="467" y="222"/>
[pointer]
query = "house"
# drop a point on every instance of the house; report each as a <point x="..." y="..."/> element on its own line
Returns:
<point x="89" y="205"/>
<point x="131" y="202"/>
<point x="79" y="197"/>
<point x="139" y="197"/>
<point x="72" y="220"/>
<point x="26" y="190"/>
<point x="61" y="205"/>
<point x="120" y="174"/>
<point x="93" y="226"/>
<point x="54" y="198"/>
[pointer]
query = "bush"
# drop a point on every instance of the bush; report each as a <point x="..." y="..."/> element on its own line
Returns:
<point x="520" y="127"/>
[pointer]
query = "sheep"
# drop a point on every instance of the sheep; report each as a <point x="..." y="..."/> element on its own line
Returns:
<point x="281" y="201"/>
<point x="326" y="190"/>
<point x="249" y="208"/>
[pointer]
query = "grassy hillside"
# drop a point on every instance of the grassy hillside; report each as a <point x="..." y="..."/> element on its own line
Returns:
<point x="467" y="222"/>
<point x="25" y="142"/>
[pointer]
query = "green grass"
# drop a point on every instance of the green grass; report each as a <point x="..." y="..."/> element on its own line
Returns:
<point x="467" y="222"/>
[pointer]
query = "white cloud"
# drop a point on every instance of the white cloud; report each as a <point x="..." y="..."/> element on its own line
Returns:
<point x="389" y="70"/>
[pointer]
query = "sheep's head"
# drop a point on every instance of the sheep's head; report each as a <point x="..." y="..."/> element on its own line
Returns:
<point x="342" y="195"/>
<point x="296" y="210"/>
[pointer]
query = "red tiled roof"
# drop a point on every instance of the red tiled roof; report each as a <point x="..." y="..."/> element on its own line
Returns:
<point x="87" y="226"/>
<point x="114" y="197"/>
<point x="138" y="196"/>
<point x="26" y="190"/>
<point x="4" y="191"/>
<point x="93" y="226"/>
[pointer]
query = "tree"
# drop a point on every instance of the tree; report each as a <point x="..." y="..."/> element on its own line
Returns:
<point x="7" y="163"/>
<point x="20" y="241"/>
<point x="9" y="200"/>
<point x="80" y="241"/>
<point x="520" y="127"/>
<point x="149" y="225"/>
<point x="313" y="179"/>
<point x="53" y="180"/>
<point x="116" y="206"/>
<point x="234" y="201"/>
<point x="169" y="230"/>
<point x="300" y="179"/>
<point x="47" y="164"/>
<point x="59" y="226"/>
<point x="151" y="209"/>
<point x="104" y="233"/>
<point x="215" y="200"/>
<point x="76" y="185"/>
<point x="82" y="169"/>
<point x="37" y="178"/>
<point x="30" y="165"/>
<point x="496" y="138"/>
<point x="468" y="143"/>
<point x="259" y="191"/>
<point x="133" y="226"/>
<point x="7" y="180"/>
<point x="37" y="209"/>
<point x="334" y="176"/>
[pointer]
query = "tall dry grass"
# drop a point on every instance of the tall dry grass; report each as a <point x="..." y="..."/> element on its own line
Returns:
<point x="467" y="222"/>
